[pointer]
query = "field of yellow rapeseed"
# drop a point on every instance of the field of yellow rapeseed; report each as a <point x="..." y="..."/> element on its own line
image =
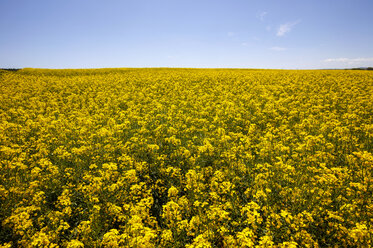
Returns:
<point x="186" y="158"/>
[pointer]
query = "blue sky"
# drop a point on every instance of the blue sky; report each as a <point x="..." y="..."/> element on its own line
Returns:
<point x="288" y="34"/>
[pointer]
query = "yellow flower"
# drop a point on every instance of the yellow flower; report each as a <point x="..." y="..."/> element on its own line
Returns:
<point x="200" y="242"/>
<point x="173" y="192"/>
<point x="75" y="244"/>
<point x="111" y="238"/>
<point x="246" y="238"/>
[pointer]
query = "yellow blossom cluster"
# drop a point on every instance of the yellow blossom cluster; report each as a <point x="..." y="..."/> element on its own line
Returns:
<point x="186" y="158"/>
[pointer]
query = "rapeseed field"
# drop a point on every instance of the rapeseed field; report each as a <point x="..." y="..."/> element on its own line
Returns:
<point x="186" y="158"/>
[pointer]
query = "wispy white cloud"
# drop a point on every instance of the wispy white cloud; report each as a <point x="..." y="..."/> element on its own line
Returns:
<point x="230" y="34"/>
<point x="349" y="60"/>
<point x="262" y="15"/>
<point x="286" y="28"/>
<point x="278" y="49"/>
<point x="244" y="44"/>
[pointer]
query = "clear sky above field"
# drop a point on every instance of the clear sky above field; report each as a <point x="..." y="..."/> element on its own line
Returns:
<point x="186" y="33"/>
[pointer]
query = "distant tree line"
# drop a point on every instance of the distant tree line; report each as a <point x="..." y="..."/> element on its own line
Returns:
<point x="10" y="69"/>
<point x="363" y="68"/>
